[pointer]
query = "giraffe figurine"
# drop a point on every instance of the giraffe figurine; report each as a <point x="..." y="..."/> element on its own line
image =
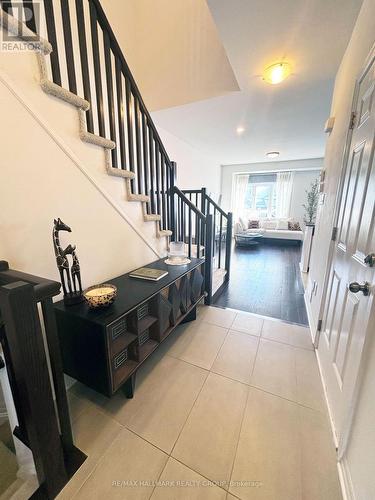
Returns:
<point x="71" y="294"/>
<point x="75" y="269"/>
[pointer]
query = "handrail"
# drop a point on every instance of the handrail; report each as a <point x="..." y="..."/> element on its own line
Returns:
<point x="186" y="200"/>
<point x="206" y="197"/>
<point x="43" y="288"/>
<point x="43" y="424"/>
<point x="215" y="205"/>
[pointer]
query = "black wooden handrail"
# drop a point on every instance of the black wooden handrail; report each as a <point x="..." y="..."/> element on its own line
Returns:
<point x="43" y="288"/>
<point x="43" y="424"/>
<point x="207" y="198"/>
<point x="191" y="205"/>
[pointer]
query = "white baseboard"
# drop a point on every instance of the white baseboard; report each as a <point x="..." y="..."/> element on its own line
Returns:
<point x="312" y="325"/>
<point x="346" y="484"/>
<point x="345" y="480"/>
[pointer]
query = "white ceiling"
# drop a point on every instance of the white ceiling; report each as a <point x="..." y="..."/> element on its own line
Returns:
<point x="312" y="35"/>
<point x="173" y="49"/>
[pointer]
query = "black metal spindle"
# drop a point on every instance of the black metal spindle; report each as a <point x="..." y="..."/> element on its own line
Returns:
<point x="163" y="200"/>
<point x="97" y="69"/>
<point x="152" y="170"/>
<point x="228" y="244"/>
<point x="157" y="175"/>
<point x="214" y="234"/>
<point x="167" y="198"/>
<point x="130" y="128"/>
<point x="120" y="111"/>
<point x="51" y="32"/>
<point x="208" y="251"/>
<point x="69" y="53"/>
<point x="7" y="6"/>
<point x="190" y="235"/>
<point x="30" y="15"/>
<point x="220" y="238"/>
<point x="145" y="157"/>
<point x="84" y="61"/>
<point x="137" y="123"/>
<point x="197" y="237"/>
<point x="111" y="106"/>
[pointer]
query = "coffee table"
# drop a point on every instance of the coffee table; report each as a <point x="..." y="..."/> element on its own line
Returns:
<point x="247" y="239"/>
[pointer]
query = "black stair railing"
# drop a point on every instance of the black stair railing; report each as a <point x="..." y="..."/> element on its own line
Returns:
<point x="196" y="230"/>
<point x="222" y="228"/>
<point x="87" y="60"/>
<point x="43" y="424"/>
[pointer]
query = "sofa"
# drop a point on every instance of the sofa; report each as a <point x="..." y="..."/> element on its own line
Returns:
<point x="280" y="230"/>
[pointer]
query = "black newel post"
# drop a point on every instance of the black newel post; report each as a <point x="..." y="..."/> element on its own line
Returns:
<point x="209" y="258"/>
<point x="228" y="244"/>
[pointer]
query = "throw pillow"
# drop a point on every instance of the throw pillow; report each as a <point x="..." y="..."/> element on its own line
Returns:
<point x="269" y="224"/>
<point x="294" y="226"/>
<point x="242" y="222"/>
<point x="282" y="224"/>
<point x="253" y="224"/>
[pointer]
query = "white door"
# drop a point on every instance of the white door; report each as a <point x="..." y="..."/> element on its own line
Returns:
<point x="350" y="289"/>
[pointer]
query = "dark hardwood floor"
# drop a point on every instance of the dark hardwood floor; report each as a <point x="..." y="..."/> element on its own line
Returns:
<point x="265" y="279"/>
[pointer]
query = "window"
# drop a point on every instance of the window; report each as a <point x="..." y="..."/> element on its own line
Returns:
<point x="260" y="197"/>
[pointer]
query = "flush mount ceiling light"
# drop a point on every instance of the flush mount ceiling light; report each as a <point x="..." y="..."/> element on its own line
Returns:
<point x="273" y="154"/>
<point x="240" y="130"/>
<point x="276" y="73"/>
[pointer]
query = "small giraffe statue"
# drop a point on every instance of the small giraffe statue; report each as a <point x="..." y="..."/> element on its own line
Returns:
<point x="72" y="295"/>
<point x="75" y="270"/>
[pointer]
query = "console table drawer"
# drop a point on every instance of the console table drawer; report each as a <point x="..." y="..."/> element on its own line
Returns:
<point x="117" y="328"/>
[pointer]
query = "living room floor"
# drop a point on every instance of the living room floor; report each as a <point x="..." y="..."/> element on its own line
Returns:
<point x="265" y="279"/>
<point x="231" y="398"/>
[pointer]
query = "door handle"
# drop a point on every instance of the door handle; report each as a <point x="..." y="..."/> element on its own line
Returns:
<point x="370" y="259"/>
<point x="356" y="287"/>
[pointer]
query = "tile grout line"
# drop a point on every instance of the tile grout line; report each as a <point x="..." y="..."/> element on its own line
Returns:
<point x="243" y="414"/>
<point x="189" y="413"/>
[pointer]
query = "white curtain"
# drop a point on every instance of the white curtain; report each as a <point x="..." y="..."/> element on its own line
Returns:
<point x="240" y="186"/>
<point x="284" y="185"/>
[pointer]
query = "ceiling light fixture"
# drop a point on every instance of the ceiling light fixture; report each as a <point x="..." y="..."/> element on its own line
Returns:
<point x="240" y="130"/>
<point x="273" y="154"/>
<point x="276" y="73"/>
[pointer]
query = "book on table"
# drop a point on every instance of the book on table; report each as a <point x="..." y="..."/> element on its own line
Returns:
<point x="148" y="273"/>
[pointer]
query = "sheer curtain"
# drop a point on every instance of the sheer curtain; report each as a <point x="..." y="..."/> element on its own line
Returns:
<point x="284" y="184"/>
<point x="240" y="185"/>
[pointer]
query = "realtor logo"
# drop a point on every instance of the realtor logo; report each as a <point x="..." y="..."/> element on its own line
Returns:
<point x="20" y="28"/>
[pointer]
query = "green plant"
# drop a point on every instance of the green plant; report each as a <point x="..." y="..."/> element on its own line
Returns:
<point x="311" y="204"/>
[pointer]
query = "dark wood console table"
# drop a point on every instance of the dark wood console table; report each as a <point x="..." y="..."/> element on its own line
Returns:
<point x="103" y="348"/>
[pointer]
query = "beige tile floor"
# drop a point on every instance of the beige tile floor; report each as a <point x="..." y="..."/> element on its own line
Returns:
<point x="230" y="406"/>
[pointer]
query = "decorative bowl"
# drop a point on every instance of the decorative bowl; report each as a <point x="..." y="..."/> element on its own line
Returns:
<point x="100" y="295"/>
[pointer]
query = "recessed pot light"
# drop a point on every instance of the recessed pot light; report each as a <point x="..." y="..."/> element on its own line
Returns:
<point x="240" y="130"/>
<point x="273" y="154"/>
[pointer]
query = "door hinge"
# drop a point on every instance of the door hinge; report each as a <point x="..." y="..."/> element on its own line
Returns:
<point x="353" y="116"/>
<point x="320" y="323"/>
<point x="334" y="233"/>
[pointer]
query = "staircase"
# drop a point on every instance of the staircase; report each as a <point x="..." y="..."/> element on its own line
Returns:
<point x="81" y="63"/>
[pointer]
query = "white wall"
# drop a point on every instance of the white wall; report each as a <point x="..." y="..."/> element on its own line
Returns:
<point x="194" y="168"/>
<point x="39" y="182"/>
<point x="305" y="171"/>
<point x="360" y="459"/>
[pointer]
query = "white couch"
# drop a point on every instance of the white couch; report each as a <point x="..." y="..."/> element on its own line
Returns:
<point x="270" y="229"/>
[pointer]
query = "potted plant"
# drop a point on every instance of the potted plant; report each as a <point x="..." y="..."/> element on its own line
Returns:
<point x="311" y="204"/>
